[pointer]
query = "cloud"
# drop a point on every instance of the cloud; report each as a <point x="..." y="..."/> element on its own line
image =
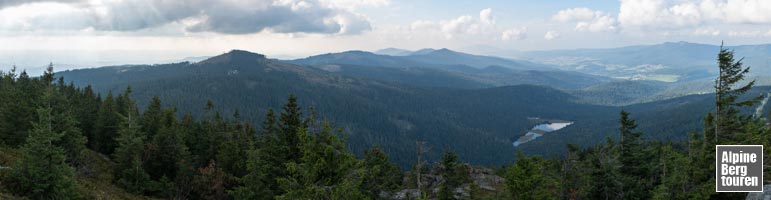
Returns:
<point x="468" y="25"/>
<point x="486" y="16"/>
<point x="462" y="25"/>
<point x="514" y="34"/>
<point x="550" y="35"/>
<point x="750" y="34"/>
<point x="11" y="3"/>
<point x="422" y="25"/>
<point x="657" y="14"/>
<point x="706" y="32"/>
<point x="229" y="17"/>
<point x="587" y="20"/>
<point x="353" y="4"/>
<point x="574" y="15"/>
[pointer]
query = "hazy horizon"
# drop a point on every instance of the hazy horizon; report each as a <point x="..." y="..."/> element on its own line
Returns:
<point x="284" y="29"/>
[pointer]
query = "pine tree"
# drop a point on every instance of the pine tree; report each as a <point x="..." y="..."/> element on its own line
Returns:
<point x="727" y="121"/>
<point x="326" y="169"/>
<point x="167" y="150"/>
<point x="291" y="122"/>
<point x="86" y="112"/>
<point x="129" y="155"/>
<point x="675" y="183"/>
<point x="527" y="179"/>
<point x="381" y="176"/>
<point x="106" y="127"/>
<point x="42" y="173"/>
<point x="452" y="174"/>
<point x="635" y="160"/>
<point x="604" y="169"/>
<point x="265" y="163"/>
<point x="64" y="121"/>
<point x="151" y="118"/>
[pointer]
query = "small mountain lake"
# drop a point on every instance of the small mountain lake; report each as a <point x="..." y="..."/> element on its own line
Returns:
<point x="541" y="129"/>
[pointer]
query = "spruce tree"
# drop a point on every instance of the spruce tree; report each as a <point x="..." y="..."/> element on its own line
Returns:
<point x="265" y="164"/>
<point x="635" y="160"/>
<point x="451" y="174"/>
<point x="731" y="71"/>
<point x="129" y="155"/>
<point x="42" y="172"/>
<point x="151" y="118"/>
<point x="381" y="176"/>
<point x="527" y="179"/>
<point x="326" y="169"/>
<point x="291" y="122"/>
<point x="106" y="127"/>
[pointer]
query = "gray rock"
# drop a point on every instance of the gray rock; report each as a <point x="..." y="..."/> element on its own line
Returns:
<point x="765" y="195"/>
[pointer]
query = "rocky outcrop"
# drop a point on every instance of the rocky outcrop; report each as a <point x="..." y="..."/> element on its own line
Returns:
<point x="482" y="179"/>
<point x="765" y="195"/>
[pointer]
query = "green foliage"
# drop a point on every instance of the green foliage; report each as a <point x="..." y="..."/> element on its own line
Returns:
<point x="454" y="174"/>
<point x="42" y="173"/>
<point x="264" y="164"/>
<point x="291" y="122"/>
<point x="106" y="127"/>
<point x="129" y="156"/>
<point x="326" y="169"/>
<point x="727" y="121"/>
<point x="211" y="182"/>
<point x="528" y="179"/>
<point x="380" y="174"/>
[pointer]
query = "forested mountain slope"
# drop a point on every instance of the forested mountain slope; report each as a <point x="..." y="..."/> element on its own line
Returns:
<point x="478" y="123"/>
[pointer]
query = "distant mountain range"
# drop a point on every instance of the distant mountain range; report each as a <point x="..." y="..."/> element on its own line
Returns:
<point x="447" y="68"/>
<point x="392" y="101"/>
<point x="669" y="62"/>
<point x="429" y="58"/>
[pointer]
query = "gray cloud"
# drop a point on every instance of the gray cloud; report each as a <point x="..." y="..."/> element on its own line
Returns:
<point x="11" y="3"/>
<point x="227" y="16"/>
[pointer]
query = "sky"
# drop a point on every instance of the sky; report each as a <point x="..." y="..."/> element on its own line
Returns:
<point x="88" y="33"/>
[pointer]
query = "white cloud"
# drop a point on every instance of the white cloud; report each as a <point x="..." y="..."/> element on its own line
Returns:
<point x="486" y="16"/>
<point x="229" y="17"/>
<point x="352" y="4"/>
<point x="550" y="35"/>
<point x="468" y="25"/>
<point x="574" y="15"/>
<point x="514" y="34"/>
<point x="422" y="25"/>
<point x="601" y="23"/>
<point x="657" y="14"/>
<point x="587" y="20"/>
<point x="706" y="32"/>
<point x="750" y="34"/>
<point x="461" y="25"/>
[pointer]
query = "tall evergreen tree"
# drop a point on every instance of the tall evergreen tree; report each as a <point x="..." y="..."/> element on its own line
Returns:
<point x="636" y="161"/>
<point x="129" y="155"/>
<point x="291" y="122"/>
<point x="727" y="121"/>
<point x="326" y="169"/>
<point x="453" y="175"/>
<point x="381" y="176"/>
<point x="42" y="173"/>
<point x="151" y="118"/>
<point x="106" y="127"/>
<point x="87" y="110"/>
<point x="527" y="179"/>
<point x="265" y="164"/>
